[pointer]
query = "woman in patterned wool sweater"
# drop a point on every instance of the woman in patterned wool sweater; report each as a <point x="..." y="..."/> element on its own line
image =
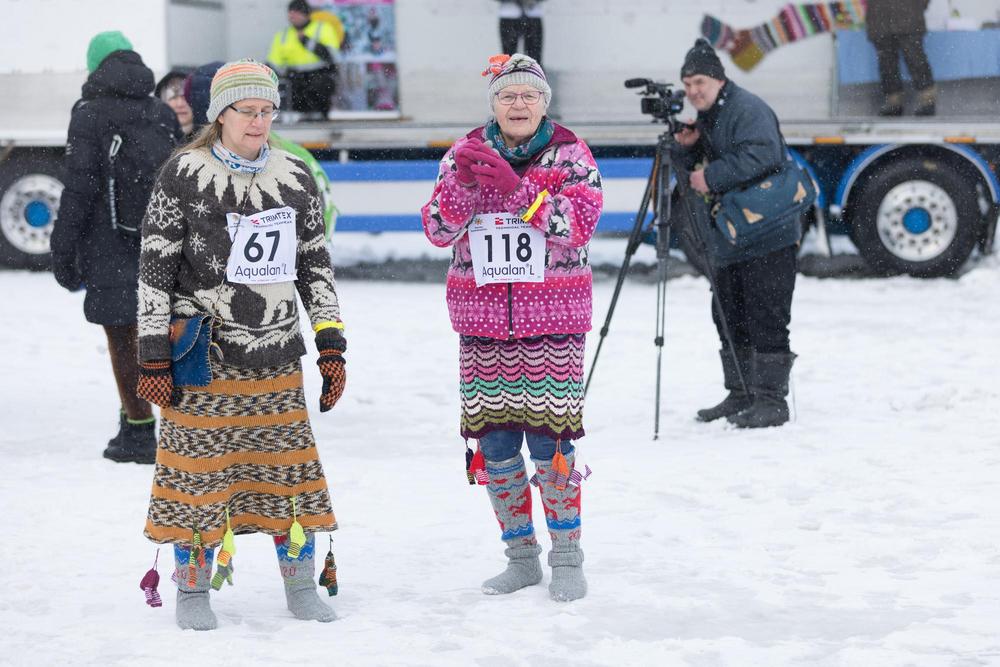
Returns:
<point x="518" y="200"/>
<point x="234" y="229"/>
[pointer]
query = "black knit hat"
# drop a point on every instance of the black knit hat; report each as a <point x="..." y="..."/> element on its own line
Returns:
<point x="701" y="59"/>
<point x="300" y="6"/>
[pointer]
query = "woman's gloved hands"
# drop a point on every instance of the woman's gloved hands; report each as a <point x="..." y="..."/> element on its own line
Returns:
<point x="491" y="169"/>
<point x="156" y="384"/>
<point x="478" y="164"/>
<point x="465" y="157"/>
<point x="331" y="345"/>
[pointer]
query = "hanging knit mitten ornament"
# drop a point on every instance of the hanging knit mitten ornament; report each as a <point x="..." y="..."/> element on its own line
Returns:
<point x="224" y="571"/>
<point x="477" y="468"/>
<point x="576" y="478"/>
<point x="468" y="465"/>
<point x="149" y="583"/>
<point x="560" y="468"/>
<point x="328" y="578"/>
<point x="296" y="536"/>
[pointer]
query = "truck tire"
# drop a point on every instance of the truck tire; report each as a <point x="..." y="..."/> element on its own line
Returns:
<point x="915" y="215"/>
<point x="30" y="189"/>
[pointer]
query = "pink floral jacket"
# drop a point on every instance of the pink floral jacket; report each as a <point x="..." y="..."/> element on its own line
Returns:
<point x="568" y="216"/>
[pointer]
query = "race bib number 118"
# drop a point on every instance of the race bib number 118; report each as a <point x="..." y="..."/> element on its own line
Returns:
<point x="506" y="249"/>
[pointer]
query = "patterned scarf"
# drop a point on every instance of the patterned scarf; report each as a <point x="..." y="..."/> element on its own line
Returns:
<point x="239" y="163"/>
<point x="525" y="152"/>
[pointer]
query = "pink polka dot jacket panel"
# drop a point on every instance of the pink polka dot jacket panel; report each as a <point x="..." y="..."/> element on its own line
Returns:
<point x="568" y="215"/>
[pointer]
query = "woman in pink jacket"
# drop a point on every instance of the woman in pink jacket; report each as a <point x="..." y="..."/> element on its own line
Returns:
<point x="518" y="201"/>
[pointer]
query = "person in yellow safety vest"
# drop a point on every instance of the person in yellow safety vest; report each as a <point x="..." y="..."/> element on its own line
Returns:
<point x="306" y="54"/>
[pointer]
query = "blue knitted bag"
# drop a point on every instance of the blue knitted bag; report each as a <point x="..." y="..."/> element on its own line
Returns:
<point x="744" y="215"/>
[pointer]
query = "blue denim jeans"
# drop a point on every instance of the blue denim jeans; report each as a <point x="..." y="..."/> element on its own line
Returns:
<point x="503" y="445"/>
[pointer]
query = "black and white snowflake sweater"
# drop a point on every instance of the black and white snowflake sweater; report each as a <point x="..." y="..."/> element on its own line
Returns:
<point x="186" y="244"/>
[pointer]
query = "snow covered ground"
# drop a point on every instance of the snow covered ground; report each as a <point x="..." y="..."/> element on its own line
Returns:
<point x="864" y="533"/>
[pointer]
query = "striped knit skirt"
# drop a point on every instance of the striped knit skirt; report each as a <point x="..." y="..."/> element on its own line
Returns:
<point x="526" y="384"/>
<point x="242" y="446"/>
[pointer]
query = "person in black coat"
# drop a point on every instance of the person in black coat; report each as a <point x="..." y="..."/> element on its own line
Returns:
<point x="87" y="251"/>
<point x="897" y="28"/>
<point x="737" y="139"/>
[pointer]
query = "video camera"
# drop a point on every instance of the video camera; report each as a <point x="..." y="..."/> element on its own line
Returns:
<point x="659" y="100"/>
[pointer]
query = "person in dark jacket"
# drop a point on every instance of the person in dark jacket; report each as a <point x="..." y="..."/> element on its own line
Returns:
<point x="737" y="138"/>
<point x="897" y="27"/>
<point x="170" y="89"/>
<point x="87" y="251"/>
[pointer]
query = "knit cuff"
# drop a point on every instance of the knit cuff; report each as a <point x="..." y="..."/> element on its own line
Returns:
<point x="331" y="339"/>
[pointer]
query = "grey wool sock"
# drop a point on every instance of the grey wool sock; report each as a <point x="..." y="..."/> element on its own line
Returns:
<point x="300" y="589"/>
<point x="193" y="611"/>
<point x="568" y="582"/>
<point x="510" y="496"/>
<point x="562" y="515"/>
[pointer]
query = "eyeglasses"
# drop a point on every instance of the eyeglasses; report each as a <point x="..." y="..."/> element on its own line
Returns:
<point x="507" y="98"/>
<point x="250" y="114"/>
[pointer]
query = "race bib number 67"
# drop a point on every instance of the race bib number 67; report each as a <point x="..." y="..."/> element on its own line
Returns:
<point x="506" y="249"/>
<point x="264" y="247"/>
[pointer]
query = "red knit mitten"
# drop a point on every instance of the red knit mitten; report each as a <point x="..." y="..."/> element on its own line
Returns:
<point x="156" y="385"/>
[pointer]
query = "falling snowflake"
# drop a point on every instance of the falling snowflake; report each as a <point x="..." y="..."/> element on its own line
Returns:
<point x="201" y="208"/>
<point x="197" y="242"/>
<point x="216" y="265"/>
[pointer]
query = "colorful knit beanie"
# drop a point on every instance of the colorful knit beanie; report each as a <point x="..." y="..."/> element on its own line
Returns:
<point x="103" y="45"/>
<point x="505" y="70"/>
<point x="242" y="80"/>
<point x="702" y="59"/>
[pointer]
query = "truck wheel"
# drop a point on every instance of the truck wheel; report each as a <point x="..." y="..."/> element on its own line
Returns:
<point x="29" y="201"/>
<point x="915" y="215"/>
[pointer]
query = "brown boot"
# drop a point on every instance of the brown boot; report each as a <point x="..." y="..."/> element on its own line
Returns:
<point x="926" y="102"/>
<point x="893" y="105"/>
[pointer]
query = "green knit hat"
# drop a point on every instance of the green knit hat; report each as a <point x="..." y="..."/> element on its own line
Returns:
<point x="103" y="45"/>
<point x="242" y="80"/>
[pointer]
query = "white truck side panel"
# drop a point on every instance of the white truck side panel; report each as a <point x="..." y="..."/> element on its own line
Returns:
<point x="52" y="35"/>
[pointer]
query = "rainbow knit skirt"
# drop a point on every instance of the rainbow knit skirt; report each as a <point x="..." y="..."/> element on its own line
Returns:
<point x="241" y="444"/>
<point x="526" y="384"/>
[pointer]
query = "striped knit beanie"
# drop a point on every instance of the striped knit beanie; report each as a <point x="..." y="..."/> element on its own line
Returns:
<point x="242" y="80"/>
<point x="505" y="70"/>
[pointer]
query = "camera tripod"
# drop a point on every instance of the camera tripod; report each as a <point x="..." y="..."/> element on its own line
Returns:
<point x="658" y="195"/>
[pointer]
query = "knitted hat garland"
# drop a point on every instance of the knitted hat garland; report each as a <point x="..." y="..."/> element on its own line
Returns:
<point x="702" y="59"/>
<point x="102" y="45"/>
<point x="505" y="70"/>
<point x="242" y="80"/>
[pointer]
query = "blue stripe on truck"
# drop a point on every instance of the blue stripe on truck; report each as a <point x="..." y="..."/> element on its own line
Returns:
<point x="426" y="170"/>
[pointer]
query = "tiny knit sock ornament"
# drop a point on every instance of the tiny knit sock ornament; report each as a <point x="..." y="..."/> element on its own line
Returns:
<point x="149" y="582"/>
<point x="224" y="568"/>
<point x="560" y="468"/>
<point x="477" y="467"/>
<point x="300" y="587"/>
<point x="468" y="465"/>
<point x="328" y="577"/>
<point x="510" y="497"/>
<point x="747" y="47"/>
<point x="296" y="535"/>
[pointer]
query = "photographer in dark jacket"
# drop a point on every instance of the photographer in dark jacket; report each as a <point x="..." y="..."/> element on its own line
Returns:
<point x="737" y="138"/>
<point x="87" y="251"/>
